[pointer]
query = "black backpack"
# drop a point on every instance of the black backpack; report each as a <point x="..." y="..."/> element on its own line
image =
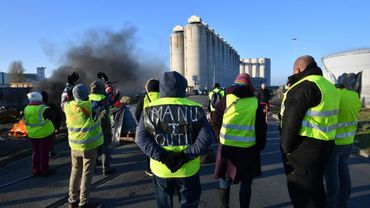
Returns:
<point x="215" y="99"/>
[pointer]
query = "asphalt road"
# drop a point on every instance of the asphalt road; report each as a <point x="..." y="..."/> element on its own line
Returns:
<point x="130" y="187"/>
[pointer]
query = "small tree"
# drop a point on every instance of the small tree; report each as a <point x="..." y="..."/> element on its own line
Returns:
<point x="16" y="71"/>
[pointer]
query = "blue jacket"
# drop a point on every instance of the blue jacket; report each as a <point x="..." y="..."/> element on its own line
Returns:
<point x="173" y="84"/>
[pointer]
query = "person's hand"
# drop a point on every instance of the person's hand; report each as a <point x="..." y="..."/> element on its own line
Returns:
<point x="174" y="160"/>
<point x="72" y="78"/>
<point x="102" y="76"/>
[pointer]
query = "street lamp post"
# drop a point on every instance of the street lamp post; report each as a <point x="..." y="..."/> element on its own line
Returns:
<point x="294" y="46"/>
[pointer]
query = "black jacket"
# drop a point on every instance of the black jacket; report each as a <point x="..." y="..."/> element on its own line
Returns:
<point x="139" y="107"/>
<point x="299" y="99"/>
<point x="263" y="95"/>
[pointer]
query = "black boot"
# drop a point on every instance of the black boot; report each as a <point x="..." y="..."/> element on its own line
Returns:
<point x="224" y="197"/>
<point x="244" y="199"/>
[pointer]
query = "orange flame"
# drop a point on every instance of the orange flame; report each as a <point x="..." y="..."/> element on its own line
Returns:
<point x="18" y="130"/>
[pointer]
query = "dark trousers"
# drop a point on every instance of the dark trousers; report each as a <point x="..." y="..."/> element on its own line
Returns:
<point x="105" y="151"/>
<point x="338" y="177"/>
<point x="40" y="155"/>
<point x="304" y="169"/>
<point x="188" y="189"/>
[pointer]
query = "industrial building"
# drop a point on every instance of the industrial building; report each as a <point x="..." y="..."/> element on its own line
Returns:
<point x="202" y="56"/>
<point x="30" y="78"/>
<point x="352" y="61"/>
<point x="258" y="68"/>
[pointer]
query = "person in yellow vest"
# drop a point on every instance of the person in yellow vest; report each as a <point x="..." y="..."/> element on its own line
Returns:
<point x="337" y="176"/>
<point x="40" y="130"/>
<point x="240" y="123"/>
<point x="214" y="97"/>
<point x="309" y="114"/>
<point x="173" y="132"/>
<point x="151" y="94"/>
<point x="84" y="137"/>
<point x="102" y="104"/>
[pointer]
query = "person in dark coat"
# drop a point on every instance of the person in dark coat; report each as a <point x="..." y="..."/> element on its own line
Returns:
<point x="151" y="94"/>
<point x="238" y="164"/>
<point x="263" y="94"/>
<point x="56" y="122"/>
<point x="304" y="156"/>
<point x="174" y="138"/>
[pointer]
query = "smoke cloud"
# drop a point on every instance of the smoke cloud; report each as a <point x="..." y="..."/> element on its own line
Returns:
<point x="113" y="53"/>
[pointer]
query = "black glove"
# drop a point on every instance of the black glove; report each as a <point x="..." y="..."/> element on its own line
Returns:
<point x="174" y="160"/>
<point x="72" y="78"/>
<point x="102" y="76"/>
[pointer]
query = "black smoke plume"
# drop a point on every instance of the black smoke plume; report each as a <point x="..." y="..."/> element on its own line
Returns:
<point x="113" y="53"/>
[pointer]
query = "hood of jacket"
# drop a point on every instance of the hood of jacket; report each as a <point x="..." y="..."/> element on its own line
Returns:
<point x="172" y="84"/>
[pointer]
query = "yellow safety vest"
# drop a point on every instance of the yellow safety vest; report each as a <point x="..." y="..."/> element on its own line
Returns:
<point x="96" y="97"/>
<point x="37" y="127"/>
<point x="320" y="122"/>
<point x="83" y="132"/>
<point x="349" y="106"/>
<point x="190" y="168"/>
<point x="210" y="94"/>
<point x="150" y="97"/>
<point x="238" y="122"/>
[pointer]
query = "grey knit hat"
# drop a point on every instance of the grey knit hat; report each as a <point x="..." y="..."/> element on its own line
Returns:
<point x="80" y="92"/>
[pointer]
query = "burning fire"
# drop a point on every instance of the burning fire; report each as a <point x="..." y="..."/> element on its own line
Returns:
<point x="19" y="129"/>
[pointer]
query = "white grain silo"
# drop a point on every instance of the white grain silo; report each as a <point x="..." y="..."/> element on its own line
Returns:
<point x="195" y="40"/>
<point x="210" y="60"/>
<point x="177" y="50"/>
<point x="224" y="64"/>
<point x="255" y="67"/>
<point x="261" y="71"/>
<point x="242" y="67"/>
<point x="237" y="62"/>
<point x="216" y="54"/>
<point x="227" y="63"/>
<point x="206" y="57"/>
<point x="248" y="66"/>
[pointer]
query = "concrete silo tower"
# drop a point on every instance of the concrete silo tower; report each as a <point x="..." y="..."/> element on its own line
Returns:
<point x="177" y="50"/>
<point x="255" y="67"/>
<point x="195" y="40"/>
<point x="202" y="56"/>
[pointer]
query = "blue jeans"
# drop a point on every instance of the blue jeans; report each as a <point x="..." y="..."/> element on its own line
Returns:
<point x="188" y="189"/>
<point x="245" y="185"/>
<point x="337" y="177"/>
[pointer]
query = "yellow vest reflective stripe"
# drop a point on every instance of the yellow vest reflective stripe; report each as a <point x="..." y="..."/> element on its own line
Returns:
<point x="188" y="169"/>
<point x="320" y="122"/>
<point x="349" y="107"/>
<point x="85" y="129"/>
<point x="238" y="127"/>
<point x="83" y="132"/>
<point x="150" y="97"/>
<point x="96" y="97"/>
<point x="210" y="94"/>
<point x="37" y="127"/>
